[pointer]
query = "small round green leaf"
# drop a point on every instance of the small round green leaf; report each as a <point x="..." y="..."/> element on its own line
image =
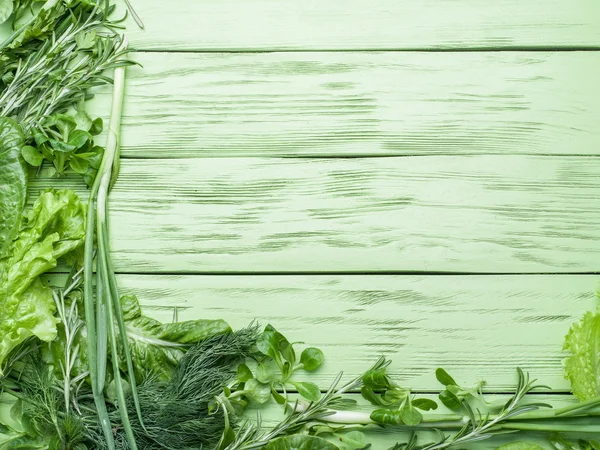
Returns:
<point x="97" y="126"/>
<point x="6" y="9"/>
<point x="443" y="377"/>
<point x="425" y="404"/>
<point x="311" y="358"/>
<point x="300" y="442"/>
<point x="32" y="155"/>
<point x="267" y="344"/>
<point x="78" y="138"/>
<point x="310" y="391"/>
<point x="409" y="415"/>
<point x="520" y="445"/>
<point x="386" y="417"/>
<point x="257" y="391"/>
<point x="267" y="372"/>
<point x="243" y="373"/>
<point x="79" y="165"/>
<point x="376" y="379"/>
<point x="279" y="398"/>
<point x="450" y="400"/>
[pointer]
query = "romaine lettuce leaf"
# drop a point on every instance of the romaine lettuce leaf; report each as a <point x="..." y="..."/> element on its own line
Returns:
<point x="582" y="367"/>
<point x="156" y="347"/>
<point x="54" y="227"/>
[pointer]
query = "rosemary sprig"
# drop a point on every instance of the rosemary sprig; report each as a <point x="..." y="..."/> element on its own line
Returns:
<point x="60" y="72"/>
<point x="72" y="324"/>
<point x="250" y="436"/>
<point x="482" y="427"/>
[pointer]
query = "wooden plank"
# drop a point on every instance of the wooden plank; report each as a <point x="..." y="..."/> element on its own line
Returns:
<point x="288" y="25"/>
<point x="350" y="104"/>
<point x="385" y="438"/>
<point x="249" y="25"/>
<point x="476" y="327"/>
<point x="509" y="214"/>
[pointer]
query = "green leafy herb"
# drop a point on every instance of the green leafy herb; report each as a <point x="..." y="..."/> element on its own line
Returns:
<point x="300" y="442"/>
<point x="520" y="445"/>
<point x="6" y="9"/>
<point x="582" y="367"/>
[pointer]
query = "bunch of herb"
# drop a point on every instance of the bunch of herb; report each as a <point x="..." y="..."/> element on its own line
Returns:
<point x="268" y="373"/>
<point x="179" y="413"/>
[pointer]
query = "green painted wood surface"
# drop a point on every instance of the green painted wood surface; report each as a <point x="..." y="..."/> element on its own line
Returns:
<point x="365" y="24"/>
<point x="353" y="104"/>
<point x="502" y="214"/>
<point x="474" y="326"/>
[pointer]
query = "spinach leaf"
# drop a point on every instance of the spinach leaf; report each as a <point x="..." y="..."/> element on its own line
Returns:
<point x="13" y="181"/>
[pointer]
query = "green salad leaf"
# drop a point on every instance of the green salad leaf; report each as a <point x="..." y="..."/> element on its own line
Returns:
<point x="157" y="347"/>
<point x="300" y="442"/>
<point x="13" y="179"/>
<point x="53" y="228"/>
<point x="6" y="9"/>
<point x="520" y="445"/>
<point x="582" y="367"/>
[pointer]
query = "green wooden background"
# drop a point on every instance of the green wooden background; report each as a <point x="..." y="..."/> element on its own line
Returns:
<point x="417" y="179"/>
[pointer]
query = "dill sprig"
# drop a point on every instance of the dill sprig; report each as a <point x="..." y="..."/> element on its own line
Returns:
<point x="178" y="413"/>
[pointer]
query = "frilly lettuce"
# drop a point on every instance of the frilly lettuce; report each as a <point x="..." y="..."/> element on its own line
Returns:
<point x="53" y="228"/>
<point x="582" y="367"/>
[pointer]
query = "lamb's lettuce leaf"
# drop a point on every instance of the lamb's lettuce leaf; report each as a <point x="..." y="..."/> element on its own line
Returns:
<point x="6" y="9"/>
<point x="13" y="179"/>
<point x="300" y="442"/>
<point x="582" y="367"/>
<point x="157" y="347"/>
<point x="53" y="228"/>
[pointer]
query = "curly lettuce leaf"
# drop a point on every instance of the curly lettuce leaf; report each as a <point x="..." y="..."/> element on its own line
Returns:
<point x="53" y="228"/>
<point x="156" y="347"/>
<point x="13" y="180"/>
<point x="582" y="367"/>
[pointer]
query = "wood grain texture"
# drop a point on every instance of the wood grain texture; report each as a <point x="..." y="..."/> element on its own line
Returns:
<point x="510" y="214"/>
<point x="244" y="25"/>
<point x="360" y="104"/>
<point x="476" y="327"/>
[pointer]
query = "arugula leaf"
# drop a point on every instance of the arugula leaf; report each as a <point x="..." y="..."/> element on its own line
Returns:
<point x="300" y="442"/>
<point x="155" y="347"/>
<point x="582" y="367"/>
<point x="13" y="180"/>
<point x="53" y="228"/>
